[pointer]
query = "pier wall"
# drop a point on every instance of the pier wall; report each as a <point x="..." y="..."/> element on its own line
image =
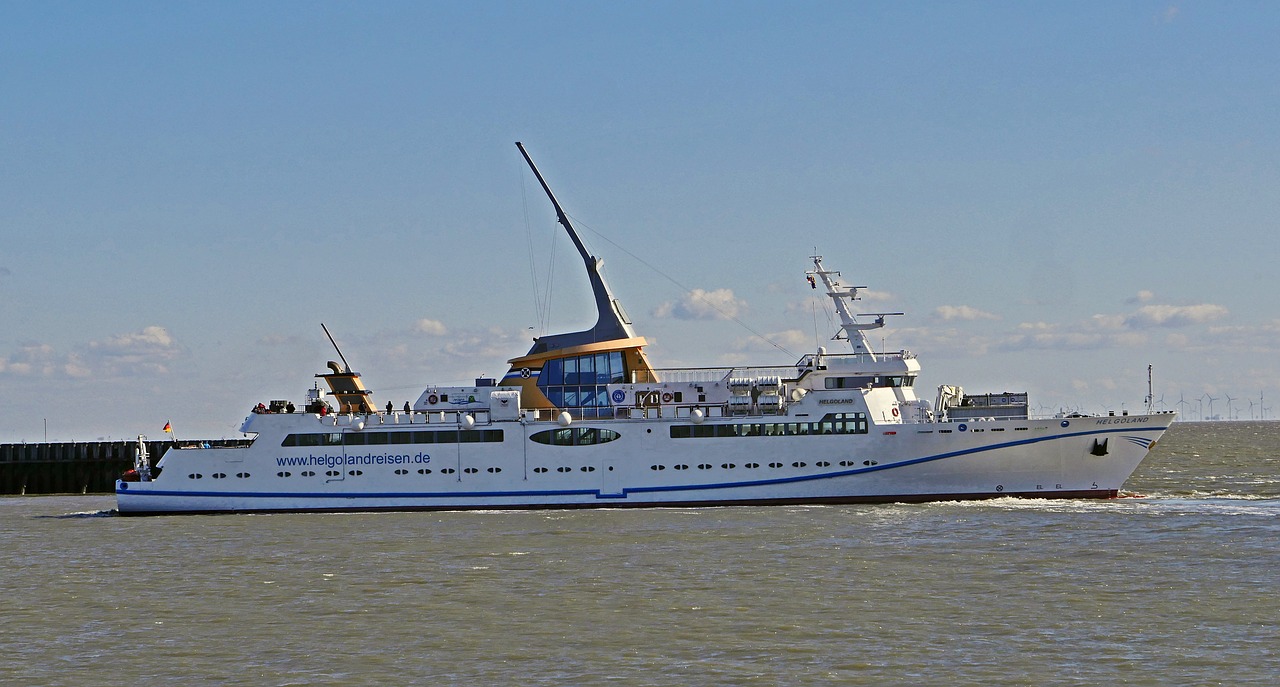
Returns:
<point x="79" y="467"/>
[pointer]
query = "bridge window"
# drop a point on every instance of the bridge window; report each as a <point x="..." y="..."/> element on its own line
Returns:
<point x="866" y="381"/>
<point x="579" y="381"/>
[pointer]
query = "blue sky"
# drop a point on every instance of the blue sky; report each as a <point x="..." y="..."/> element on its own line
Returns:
<point x="1057" y="195"/>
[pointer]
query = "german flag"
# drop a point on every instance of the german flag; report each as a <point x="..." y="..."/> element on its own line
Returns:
<point x="168" y="428"/>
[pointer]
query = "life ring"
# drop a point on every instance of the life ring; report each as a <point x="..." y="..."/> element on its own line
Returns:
<point x="666" y="397"/>
<point x="433" y="399"/>
<point x="895" y="411"/>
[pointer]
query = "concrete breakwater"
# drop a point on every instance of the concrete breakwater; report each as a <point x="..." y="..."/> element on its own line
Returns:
<point x="79" y="467"/>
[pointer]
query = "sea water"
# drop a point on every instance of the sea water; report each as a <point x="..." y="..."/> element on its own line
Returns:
<point x="1178" y="587"/>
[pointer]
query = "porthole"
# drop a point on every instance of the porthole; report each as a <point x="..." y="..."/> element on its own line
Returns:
<point x="775" y="465"/>
<point x="242" y="475"/>
<point x="728" y="466"/>
<point x="564" y="469"/>
<point x="846" y="463"/>
<point x="657" y="467"/>
<point x="355" y="473"/>
<point x="753" y="465"/>
<point x="823" y="464"/>
<point x="869" y="462"/>
<point x="195" y="475"/>
<point x="332" y="473"/>
<point x="447" y="471"/>
<point x="494" y="471"/>
<point x="704" y="466"/>
<point x="588" y="468"/>
<point x="218" y="475"/>
<point x="284" y="474"/>
<point x="682" y="467"/>
<point x="471" y="471"/>
<point x="424" y="471"/>
<point x="799" y="464"/>
<point x="402" y="471"/>
<point x="308" y="473"/>
<point x="539" y="470"/>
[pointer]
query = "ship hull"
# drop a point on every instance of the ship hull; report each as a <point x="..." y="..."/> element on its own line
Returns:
<point x="648" y="467"/>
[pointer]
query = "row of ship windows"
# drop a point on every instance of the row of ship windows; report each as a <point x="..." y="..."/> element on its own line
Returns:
<point x="541" y="470"/>
<point x="974" y="430"/>
<point x="836" y="423"/>
<point x="841" y="423"/>
<point x="420" y="471"/>
<point x="869" y="381"/>
<point x="775" y="465"/>
<point x="380" y="438"/>
<point x="399" y="471"/>
<point x="569" y="436"/>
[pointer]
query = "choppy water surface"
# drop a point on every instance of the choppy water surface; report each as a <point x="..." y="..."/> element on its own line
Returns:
<point x="1179" y="587"/>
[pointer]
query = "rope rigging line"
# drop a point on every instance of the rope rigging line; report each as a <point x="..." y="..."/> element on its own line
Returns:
<point x="684" y="288"/>
<point x="533" y="265"/>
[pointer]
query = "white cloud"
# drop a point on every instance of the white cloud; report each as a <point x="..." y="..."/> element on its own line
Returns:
<point x="1143" y="296"/>
<point x="719" y="304"/>
<point x="430" y="327"/>
<point x="1112" y="330"/>
<point x="1051" y="339"/>
<point x="152" y="337"/>
<point x="962" y="312"/>
<point x="875" y="296"/>
<point x="1174" y="315"/>
<point x="1096" y="333"/>
<point x="30" y="358"/>
<point x="146" y="351"/>
<point x="143" y="352"/>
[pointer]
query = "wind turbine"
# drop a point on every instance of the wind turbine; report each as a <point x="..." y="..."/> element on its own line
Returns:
<point x="1251" y="409"/>
<point x="1211" y="400"/>
<point x="1229" y="400"/>
<point x="1181" y="402"/>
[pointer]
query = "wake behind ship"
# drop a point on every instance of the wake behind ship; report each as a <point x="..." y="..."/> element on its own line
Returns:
<point x="583" y="420"/>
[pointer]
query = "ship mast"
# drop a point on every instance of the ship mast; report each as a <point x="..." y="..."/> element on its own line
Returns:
<point x="611" y="321"/>
<point x="850" y="328"/>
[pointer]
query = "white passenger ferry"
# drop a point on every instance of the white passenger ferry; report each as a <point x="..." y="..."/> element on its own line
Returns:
<point x="584" y="420"/>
